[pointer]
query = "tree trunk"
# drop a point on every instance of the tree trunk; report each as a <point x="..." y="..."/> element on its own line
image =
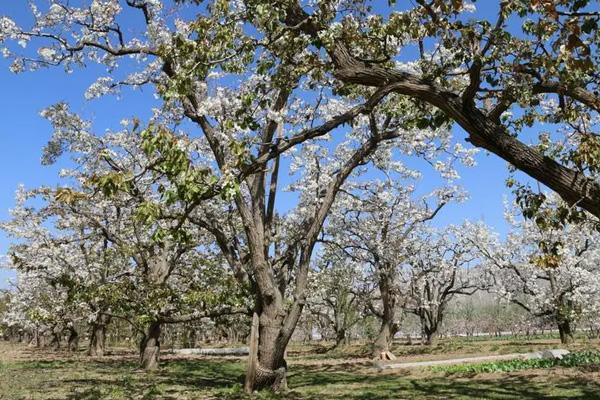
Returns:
<point x="252" y="356"/>
<point x="428" y="338"/>
<point x="566" y="333"/>
<point x="55" y="343"/>
<point x="428" y="331"/>
<point x="35" y="339"/>
<point x="388" y="329"/>
<point x="97" y="345"/>
<point x="384" y="338"/>
<point x="341" y="337"/>
<point x="189" y="338"/>
<point x="271" y="368"/>
<point x="150" y="347"/>
<point x="73" y="342"/>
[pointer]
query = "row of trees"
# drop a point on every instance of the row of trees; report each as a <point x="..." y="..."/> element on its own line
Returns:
<point x="181" y="216"/>
<point x="375" y="261"/>
<point x="546" y="271"/>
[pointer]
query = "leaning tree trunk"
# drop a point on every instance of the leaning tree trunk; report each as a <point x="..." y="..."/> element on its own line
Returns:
<point x="566" y="332"/>
<point x="150" y="347"/>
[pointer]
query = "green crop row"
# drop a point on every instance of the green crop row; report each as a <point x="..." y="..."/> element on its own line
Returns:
<point x="576" y="359"/>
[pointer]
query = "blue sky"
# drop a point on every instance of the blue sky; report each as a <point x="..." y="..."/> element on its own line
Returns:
<point x="23" y="134"/>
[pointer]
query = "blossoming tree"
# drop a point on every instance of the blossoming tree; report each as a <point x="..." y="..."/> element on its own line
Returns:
<point x="545" y="267"/>
<point x="258" y="78"/>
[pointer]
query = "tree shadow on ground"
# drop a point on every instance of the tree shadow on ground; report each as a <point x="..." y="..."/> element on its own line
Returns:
<point x="220" y="378"/>
<point x="362" y="387"/>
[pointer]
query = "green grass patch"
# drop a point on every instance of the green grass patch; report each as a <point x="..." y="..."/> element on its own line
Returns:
<point x="577" y="359"/>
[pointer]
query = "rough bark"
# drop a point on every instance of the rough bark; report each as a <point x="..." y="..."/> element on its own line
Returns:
<point x="384" y="338"/>
<point x="430" y="321"/>
<point x="97" y="344"/>
<point x="428" y="336"/>
<point x="271" y="368"/>
<point x="150" y="347"/>
<point x="388" y="328"/>
<point x="252" y="356"/>
<point x="566" y="332"/>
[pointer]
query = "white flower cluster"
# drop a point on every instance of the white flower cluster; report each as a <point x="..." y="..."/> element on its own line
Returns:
<point x="104" y="12"/>
<point x="102" y="86"/>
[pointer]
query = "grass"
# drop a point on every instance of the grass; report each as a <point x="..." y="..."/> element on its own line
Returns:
<point x="28" y="374"/>
<point x="576" y="359"/>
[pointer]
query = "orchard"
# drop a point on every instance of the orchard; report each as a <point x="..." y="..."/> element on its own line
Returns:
<point x="252" y="198"/>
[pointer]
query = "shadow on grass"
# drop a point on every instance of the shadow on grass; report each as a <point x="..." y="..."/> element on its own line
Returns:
<point x="357" y="387"/>
<point x="223" y="378"/>
<point x="106" y="380"/>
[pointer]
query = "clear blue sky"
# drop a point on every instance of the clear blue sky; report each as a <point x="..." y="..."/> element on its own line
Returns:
<point x="23" y="133"/>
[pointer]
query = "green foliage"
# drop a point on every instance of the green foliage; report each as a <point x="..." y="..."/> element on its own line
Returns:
<point x="68" y="196"/>
<point x="148" y="212"/>
<point x="189" y="183"/>
<point x="577" y="359"/>
<point x="112" y="183"/>
<point x="534" y="206"/>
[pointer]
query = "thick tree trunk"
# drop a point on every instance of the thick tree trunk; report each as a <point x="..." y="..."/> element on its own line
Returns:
<point x="73" y="342"/>
<point x="384" y="338"/>
<point x="97" y="345"/>
<point x="566" y="333"/>
<point x="271" y="368"/>
<point x="428" y="332"/>
<point x="388" y="328"/>
<point x="55" y="343"/>
<point x="428" y="338"/>
<point x="341" y="338"/>
<point x="150" y="347"/>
